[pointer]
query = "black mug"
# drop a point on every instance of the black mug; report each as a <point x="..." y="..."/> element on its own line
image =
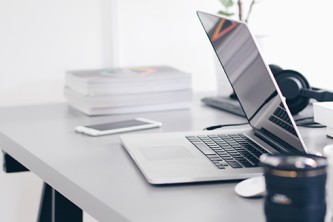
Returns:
<point x="295" y="186"/>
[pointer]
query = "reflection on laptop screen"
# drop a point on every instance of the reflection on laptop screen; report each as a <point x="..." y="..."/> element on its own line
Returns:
<point x="251" y="79"/>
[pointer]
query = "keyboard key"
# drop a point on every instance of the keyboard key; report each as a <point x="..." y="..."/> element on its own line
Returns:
<point x="204" y="148"/>
<point x="234" y="164"/>
<point x="213" y="145"/>
<point x="228" y="158"/>
<point x="215" y="158"/>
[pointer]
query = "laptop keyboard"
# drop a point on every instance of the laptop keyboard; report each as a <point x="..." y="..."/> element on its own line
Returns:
<point x="280" y="118"/>
<point x="235" y="150"/>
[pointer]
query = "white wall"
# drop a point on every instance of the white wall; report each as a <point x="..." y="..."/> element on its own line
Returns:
<point x="168" y="32"/>
<point x="298" y="36"/>
<point x="39" y="40"/>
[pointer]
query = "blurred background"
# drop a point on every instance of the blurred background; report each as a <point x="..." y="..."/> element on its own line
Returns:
<point x="41" y="39"/>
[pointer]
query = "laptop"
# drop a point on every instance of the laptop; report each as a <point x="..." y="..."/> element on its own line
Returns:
<point x="186" y="157"/>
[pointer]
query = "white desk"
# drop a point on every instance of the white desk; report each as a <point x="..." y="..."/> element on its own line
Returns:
<point x="98" y="175"/>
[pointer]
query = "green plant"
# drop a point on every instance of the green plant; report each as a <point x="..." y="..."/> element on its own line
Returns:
<point x="229" y="4"/>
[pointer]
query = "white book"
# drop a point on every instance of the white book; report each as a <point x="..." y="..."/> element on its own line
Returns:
<point x="130" y="109"/>
<point x="129" y="87"/>
<point x="139" y="99"/>
<point x="128" y="80"/>
<point x="323" y="113"/>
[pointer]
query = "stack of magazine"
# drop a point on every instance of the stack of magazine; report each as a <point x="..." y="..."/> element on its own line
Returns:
<point x="128" y="90"/>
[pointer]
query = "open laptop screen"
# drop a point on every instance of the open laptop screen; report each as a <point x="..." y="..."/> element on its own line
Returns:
<point x="251" y="79"/>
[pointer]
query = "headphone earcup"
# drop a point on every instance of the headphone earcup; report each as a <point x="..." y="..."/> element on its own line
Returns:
<point x="290" y="83"/>
<point x="275" y="68"/>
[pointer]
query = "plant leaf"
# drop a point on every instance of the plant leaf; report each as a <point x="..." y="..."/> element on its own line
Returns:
<point x="227" y="3"/>
<point x="226" y="13"/>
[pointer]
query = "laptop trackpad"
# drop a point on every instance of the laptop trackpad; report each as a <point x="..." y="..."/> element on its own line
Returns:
<point x="165" y="153"/>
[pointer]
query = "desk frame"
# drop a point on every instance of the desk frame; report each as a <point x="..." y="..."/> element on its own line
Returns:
<point x="54" y="207"/>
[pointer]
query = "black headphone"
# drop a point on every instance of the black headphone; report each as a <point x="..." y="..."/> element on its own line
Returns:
<point x="297" y="90"/>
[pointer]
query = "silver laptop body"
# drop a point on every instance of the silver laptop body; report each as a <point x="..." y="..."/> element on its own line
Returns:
<point x="183" y="157"/>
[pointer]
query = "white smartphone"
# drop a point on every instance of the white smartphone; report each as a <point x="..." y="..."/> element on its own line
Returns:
<point x="117" y="127"/>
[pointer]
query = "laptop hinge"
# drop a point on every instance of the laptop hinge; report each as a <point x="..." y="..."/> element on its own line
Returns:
<point x="274" y="141"/>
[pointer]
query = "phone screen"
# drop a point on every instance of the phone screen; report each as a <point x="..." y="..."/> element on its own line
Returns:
<point x="118" y="125"/>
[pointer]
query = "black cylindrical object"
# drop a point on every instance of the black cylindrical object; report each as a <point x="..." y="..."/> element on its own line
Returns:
<point x="295" y="186"/>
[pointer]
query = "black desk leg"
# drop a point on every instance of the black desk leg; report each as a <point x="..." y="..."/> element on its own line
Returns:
<point x="10" y="165"/>
<point x="54" y="207"/>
